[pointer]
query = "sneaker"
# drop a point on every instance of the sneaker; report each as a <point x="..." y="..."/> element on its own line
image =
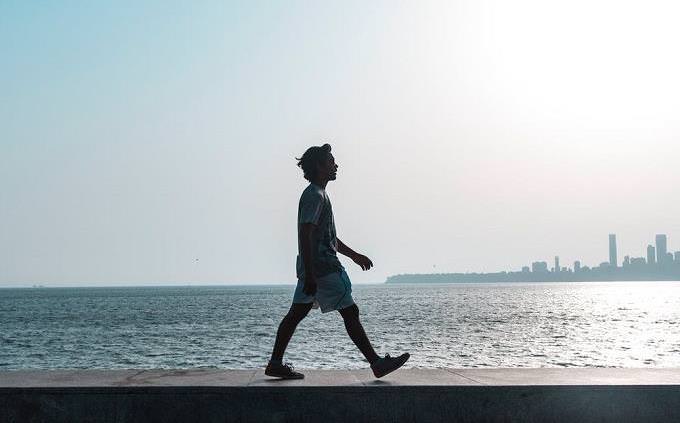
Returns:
<point x="284" y="371"/>
<point x="388" y="364"/>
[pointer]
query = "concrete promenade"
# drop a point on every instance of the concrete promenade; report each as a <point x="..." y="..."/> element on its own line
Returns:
<point x="410" y="395"/>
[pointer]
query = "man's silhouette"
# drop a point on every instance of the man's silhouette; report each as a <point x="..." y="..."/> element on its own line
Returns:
<point x="322" y="281"/>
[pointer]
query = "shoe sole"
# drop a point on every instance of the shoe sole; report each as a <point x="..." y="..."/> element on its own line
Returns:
<point x="386" y="372"/>
<point x="284" y="376"/>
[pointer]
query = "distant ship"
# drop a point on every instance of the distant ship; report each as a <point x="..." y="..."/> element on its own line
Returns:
<point x="659" y="265"/>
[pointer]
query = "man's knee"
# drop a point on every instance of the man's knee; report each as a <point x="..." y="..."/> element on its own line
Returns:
<point x="296" y="313"/>
<point x="350" y="313"/>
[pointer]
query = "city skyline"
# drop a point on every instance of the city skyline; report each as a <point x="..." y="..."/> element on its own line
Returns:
<point x="656" y="254"/>
<point x="659" y="265"/>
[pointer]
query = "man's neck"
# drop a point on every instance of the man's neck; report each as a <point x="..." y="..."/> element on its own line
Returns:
<point x="321" y="183"/>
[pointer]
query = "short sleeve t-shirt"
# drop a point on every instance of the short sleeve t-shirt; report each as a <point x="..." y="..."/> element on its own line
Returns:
<point x="315" y="207"/>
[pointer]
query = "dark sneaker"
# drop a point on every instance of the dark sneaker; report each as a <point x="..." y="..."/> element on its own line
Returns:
<point x="284" y="371"/>
<point x="388" y="364"/>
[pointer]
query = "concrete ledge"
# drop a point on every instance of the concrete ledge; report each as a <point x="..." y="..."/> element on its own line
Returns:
<point x="418" y="395"/>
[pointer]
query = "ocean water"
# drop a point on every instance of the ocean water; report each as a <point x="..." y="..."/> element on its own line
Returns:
<point x="611" y="324"/>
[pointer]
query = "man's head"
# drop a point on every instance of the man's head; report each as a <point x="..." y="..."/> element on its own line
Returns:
<point x="318" y="164"/>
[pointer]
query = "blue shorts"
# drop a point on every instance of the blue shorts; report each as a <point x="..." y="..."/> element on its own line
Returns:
<point x="333" y="292"/>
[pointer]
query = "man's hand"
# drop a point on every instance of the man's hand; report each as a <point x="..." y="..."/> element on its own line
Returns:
<point x="309" y="287"/>
<point x="364" y="262"/>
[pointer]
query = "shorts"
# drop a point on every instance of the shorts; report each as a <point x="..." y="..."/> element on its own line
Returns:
<point x="333" y="292"/>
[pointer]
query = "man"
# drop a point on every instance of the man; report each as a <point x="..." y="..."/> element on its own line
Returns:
<point x="322" y="281"/>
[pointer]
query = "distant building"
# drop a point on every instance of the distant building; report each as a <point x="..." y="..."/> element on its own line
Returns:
<point x="557" y="264"/>
<point x="651" y="259"/>
<point x="626" y="261"/>
<point x="638" y="261"/>
<point x="539" y="266"/>
<point x="525" y="269"/>
<point x="613" y="262"/>
<point x="661" y="248"/>
<point x="577" y="265"/>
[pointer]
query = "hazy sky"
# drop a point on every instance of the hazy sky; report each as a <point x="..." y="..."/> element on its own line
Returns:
<point x="471" y="135"/>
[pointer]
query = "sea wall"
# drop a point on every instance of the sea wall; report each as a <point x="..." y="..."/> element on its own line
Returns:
<point x="411" y="395"/>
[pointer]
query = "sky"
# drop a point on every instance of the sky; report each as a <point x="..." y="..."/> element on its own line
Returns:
<point x="154" y="142"/>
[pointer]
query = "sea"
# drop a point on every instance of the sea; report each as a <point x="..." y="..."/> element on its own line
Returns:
<point x="579" y="324"/>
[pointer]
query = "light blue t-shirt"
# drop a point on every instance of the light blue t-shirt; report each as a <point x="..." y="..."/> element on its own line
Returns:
<point x="315" y="207"/>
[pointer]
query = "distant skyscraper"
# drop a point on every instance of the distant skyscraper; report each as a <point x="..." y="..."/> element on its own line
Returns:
<point x="612" y="250"/>
<point x="650" y="254"/>
<point x="577" y="266"/>
<point x="539" y="266"/>
<point x="557" y="264"/>
<point x="661" y="248"/>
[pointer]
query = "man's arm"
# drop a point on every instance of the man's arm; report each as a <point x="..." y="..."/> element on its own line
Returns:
<point x="305" y="234"/>
<point x="364" y="262"/>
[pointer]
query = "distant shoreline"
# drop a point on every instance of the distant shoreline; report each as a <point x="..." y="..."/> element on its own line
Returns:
<point x="613" y="275"/>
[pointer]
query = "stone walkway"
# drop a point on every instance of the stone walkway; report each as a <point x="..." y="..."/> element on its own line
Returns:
<point x="403" y="377"/>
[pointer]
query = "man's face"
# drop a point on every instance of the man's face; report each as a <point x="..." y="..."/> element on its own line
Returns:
<point x="328" y="169"/>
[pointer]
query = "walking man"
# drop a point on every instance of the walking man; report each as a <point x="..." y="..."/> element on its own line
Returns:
<point x="322" y="281"/>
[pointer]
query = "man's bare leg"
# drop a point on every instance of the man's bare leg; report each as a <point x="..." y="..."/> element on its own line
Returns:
<point x="297" y="312"/>
<point x="356" y="331"/>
